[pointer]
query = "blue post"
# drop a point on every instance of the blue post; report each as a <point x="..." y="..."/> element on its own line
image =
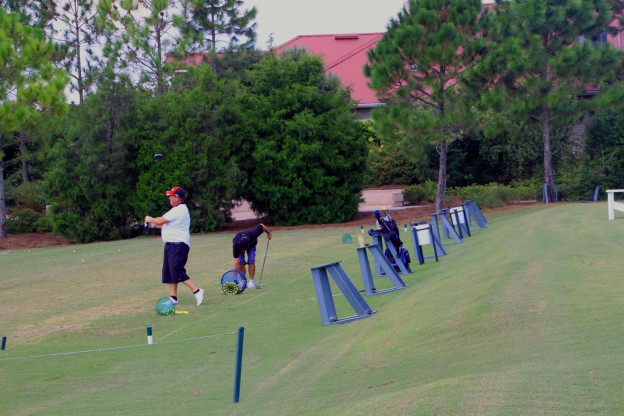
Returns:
<point x="3" y="343"/>
<point x="239" y="363"/>
<point x="596" y="192"/>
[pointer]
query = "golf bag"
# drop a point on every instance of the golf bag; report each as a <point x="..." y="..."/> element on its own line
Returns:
<point x="387" y="227"/>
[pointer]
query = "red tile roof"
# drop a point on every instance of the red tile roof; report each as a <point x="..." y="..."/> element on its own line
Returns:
<point x="344" y="56"/>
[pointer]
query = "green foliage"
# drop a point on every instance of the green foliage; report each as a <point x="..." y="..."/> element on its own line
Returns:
<point x="79" y="33"/>
<point x="310" y="152"/>
<point x="29" y="195"/>
<point x="604" y="150"/>
<point x="218" y="24"/>
<point x="494" y="195"/>
<point x="140" y="36"/>
<point x="422" y="192"/>
<point x="203" y="138"/>
<point x="604" y="145"/>
<point x="92" y="176"/>
<point x="416" y="68"/>
<point x="392" y="163"/>
<point x="537" y="65"/>
<point x="22" y="220"/>
<point x="31" y="90"/>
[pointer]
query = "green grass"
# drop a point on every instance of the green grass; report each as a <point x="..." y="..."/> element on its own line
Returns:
<point x="523" y="318"/>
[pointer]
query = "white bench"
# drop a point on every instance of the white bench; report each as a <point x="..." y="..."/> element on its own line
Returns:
<point x="612" y="204"/>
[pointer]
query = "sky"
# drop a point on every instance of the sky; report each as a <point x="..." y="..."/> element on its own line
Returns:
<point x="286" y="19"/>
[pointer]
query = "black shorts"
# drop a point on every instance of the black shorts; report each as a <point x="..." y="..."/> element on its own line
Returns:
<point x="174" y="262"/>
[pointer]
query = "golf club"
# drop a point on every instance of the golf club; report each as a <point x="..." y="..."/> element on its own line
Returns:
<point x="259" y="285"/>
<point x="157" y="157"/>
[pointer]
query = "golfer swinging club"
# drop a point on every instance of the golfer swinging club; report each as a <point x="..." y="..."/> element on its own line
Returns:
<point x="246" y="241"/>
<point x="175" y="233"/>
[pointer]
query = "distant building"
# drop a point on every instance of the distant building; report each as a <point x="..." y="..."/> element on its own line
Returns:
<point x="343" y="56"/>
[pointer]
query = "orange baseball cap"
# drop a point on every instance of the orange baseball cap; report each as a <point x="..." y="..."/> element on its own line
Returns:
<point x="177" y="191"/>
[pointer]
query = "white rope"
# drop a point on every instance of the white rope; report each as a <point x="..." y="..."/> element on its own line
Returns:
<point x="59" y="354"/>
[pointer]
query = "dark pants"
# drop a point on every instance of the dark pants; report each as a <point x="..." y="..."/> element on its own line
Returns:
<point x="176" y="255"/>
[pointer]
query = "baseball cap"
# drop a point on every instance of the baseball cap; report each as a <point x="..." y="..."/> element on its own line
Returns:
<point x="177" y="191"/>
<point x="243" y="242"/>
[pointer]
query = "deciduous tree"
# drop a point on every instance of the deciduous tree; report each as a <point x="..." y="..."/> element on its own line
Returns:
<point x="307" y="164"/>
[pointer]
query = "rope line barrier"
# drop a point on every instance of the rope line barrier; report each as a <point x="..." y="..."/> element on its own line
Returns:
<point x="59" y="354"/>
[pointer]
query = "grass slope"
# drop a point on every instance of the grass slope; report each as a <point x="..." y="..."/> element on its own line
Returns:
<point x="523" y="318"/>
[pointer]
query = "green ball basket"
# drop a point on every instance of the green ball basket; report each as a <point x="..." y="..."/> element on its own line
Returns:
<point x="165" y="307"/>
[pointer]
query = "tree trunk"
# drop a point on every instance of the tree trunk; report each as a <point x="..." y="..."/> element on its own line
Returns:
<point x="76" y="30"/>
<point x="213" y="31"/>
<point x="549" y="178"/>
<point x="160" y="82"/>
<point x="443" y="151"/>
<point x="3" y="221"/>
<point x="24" y="156"/>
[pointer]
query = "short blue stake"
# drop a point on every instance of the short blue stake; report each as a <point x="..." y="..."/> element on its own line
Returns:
<point x="3" y="344"/>
<point x="150" y="339"/>
<point x="239" y="363"/>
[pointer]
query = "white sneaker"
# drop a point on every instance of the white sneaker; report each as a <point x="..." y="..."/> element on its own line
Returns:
<point x="175" y="302"/>
<point x="199" y="297"/>
<point x="250" y="284"/>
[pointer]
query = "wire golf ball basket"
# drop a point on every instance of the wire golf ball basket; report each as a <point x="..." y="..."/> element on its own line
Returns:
<point x="233" y="282"/>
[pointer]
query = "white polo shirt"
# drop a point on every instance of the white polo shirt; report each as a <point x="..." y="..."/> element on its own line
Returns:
<point x="177" y="229"/>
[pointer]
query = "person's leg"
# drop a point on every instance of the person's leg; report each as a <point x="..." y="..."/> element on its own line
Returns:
<point x="189" y="283"/>
<point x="239" y="263"/>
<point x="179" y="271"/>
<point x="251" y="261"/>
<point x="173" y="290"/>
<point x="167" y="277"/>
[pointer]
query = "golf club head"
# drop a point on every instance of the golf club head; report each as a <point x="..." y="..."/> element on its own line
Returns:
<point x="158" y="156"/>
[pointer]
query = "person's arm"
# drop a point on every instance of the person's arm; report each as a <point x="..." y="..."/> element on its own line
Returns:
<point x="267" y="230"/>
<point x="158" y="221"/>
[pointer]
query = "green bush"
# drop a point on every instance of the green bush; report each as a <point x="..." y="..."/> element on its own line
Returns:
<point x="414" y="194"/>
<point x="23" y="220"/>
<point x="310" y="151"/>
<point x="390" y="166"/>
<point x="424" y="192"/>
<point x="494" y="195"/>
<point x="29" y="195"/>
<point x="570" y="187"/>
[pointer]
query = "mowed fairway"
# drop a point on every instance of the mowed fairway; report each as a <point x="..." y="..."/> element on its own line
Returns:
<point x="525" y="317"/>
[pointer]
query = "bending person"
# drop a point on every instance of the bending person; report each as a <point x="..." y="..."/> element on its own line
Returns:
<point x="245" y="242"/>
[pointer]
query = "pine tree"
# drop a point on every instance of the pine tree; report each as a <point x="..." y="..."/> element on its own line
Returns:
<point x="29" y="87"/>
<point x="39" y="13"/>
<point x="219" y="22"/>
<point x="79" y="36"/>
<point x="139" y="34"/>
<point x="416" y="69"/>
<point x="542" y="56"/>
